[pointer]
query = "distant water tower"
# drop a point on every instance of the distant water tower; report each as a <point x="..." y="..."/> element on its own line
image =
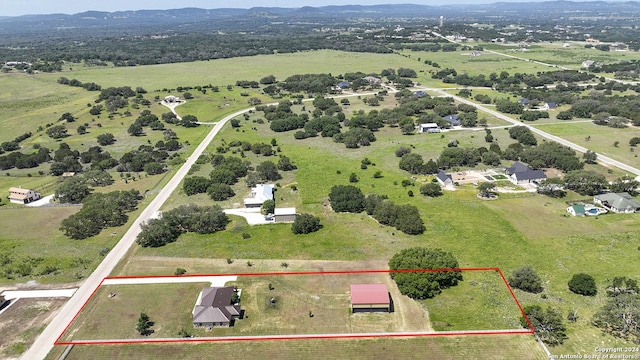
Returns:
<point x="441" y="21"/>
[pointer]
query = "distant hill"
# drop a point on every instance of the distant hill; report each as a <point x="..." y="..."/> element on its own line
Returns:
<point x="257" y="15"/>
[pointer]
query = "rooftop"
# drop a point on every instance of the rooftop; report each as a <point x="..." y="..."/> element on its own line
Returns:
<point x="369" y="294"/>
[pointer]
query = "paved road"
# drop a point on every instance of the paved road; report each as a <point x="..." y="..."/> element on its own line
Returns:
<point x="44" y="343"/>
<point x="601" y="158"/>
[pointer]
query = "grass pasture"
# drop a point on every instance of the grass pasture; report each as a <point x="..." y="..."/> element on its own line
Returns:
<point x="481" y="301"/>
<point x="462" y="347"/>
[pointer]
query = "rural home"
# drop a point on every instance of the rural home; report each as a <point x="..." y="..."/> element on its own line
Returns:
<point x="171" y="99"/>
<point x="520" y="173"/>
<point x="215" y="308"/>
<point x="444" y="178"/>
<point x="18" y="195"/>
<point x="259" y="194"/>
<point x="428" y="128"/>
<point x="618" y="202"/>
<point x="283" y="215"/>
<point x="372" y="80"/>
<point x="370" y="297"/>
<point x="454" y="120"/>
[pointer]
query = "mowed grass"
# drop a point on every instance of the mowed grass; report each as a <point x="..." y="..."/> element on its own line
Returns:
<point x="462" y="347"/>
<point x="481" y="301"/>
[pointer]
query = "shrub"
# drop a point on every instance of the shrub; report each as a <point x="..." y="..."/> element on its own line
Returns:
<point x="305" y="224"/>
<point x="583" y="284"/>
<point x="526" y="279"/>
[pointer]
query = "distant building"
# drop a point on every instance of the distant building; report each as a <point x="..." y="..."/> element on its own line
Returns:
<point x="589" y="63"/>
<point x="259" y="194"/>
<point x="618" y="202"/>
<point x="171" y="99"/>
<point x="428" y="128"/>
<point x="372" y="80"/>
<point x="520" y="173"/>
<point x="214" y="308"/>
<point x="444" y="178"/>
<point x="454" y="120"/>
<point x="577" y="210"/>
<point x="18" y="195"/>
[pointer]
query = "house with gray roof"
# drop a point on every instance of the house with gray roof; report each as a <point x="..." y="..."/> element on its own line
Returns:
<point x="444" y="178"/>
<point x="454" y="120"/>
<point x="214" y="307"/>
<point x="620" y="203"/>
<point x="520" y="173"/>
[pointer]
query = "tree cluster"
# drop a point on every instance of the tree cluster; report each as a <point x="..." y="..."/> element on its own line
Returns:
<point x="183" y="219"/>
<point x="424" y="284"/>
<point x="305" y="224"/>
<point x="100" y="211"/>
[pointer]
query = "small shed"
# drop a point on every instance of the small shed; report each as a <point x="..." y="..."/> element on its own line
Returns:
<point x="577" y="210"/>
<point x="284" y="215"/>
<point x="428" y="128"/>
<point x="370" y="297"/>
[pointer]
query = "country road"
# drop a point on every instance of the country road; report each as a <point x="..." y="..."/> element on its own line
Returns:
<point x="45" y="342"/>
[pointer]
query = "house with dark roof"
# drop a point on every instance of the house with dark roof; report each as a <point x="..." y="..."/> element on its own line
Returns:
<point x="524" y="101"/>
<point x="370" y="297"/>
<point x="259" y="194"/>
<point x="444" y="178"/>
<point x="214" y="307"/>
<point x="454" y="120"/>
<point x="18" y="195"/>
<point x="343" y="85"/>
<point x="420" y="93"/>
<point x="520" y="173"/>
<point x="620" y="203"/>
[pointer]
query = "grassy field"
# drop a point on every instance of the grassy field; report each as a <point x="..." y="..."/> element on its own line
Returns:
<point x="484" y="347"/>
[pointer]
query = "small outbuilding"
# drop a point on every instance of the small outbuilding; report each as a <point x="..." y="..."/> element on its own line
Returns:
<point x="577" y="210"/>
<point x="284" y="215"/>
<point x="428" y="128"/>
<point x="18" y="195"/>
<point x="370" y="297"/>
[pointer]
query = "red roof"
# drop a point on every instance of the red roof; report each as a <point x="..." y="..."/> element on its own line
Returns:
<point x="369" y="294"/>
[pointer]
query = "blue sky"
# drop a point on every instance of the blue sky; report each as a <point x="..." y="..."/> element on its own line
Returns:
<point x="18" y="7"/>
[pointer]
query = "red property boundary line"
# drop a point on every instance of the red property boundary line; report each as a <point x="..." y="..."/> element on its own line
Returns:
<point x="530" y="331"/>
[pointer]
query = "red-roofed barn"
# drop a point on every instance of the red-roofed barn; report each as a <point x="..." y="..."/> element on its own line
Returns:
<point x="370" y="297"/>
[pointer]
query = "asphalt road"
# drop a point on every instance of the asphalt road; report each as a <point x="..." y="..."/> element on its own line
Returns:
<point x="45" y="342"/>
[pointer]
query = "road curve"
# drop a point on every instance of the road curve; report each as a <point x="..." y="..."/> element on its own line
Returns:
<point x="601" y="158"/>
<point x="45" y="342"/>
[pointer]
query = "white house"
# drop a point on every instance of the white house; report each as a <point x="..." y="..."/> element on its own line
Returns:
<point x="259" y="194"/>
<point x="18" y="195"/>
<point x="621" y="203"/>
<point x="520" y="173"/>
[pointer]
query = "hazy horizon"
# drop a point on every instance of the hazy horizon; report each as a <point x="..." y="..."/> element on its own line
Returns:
<point x="37" y="7"/>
